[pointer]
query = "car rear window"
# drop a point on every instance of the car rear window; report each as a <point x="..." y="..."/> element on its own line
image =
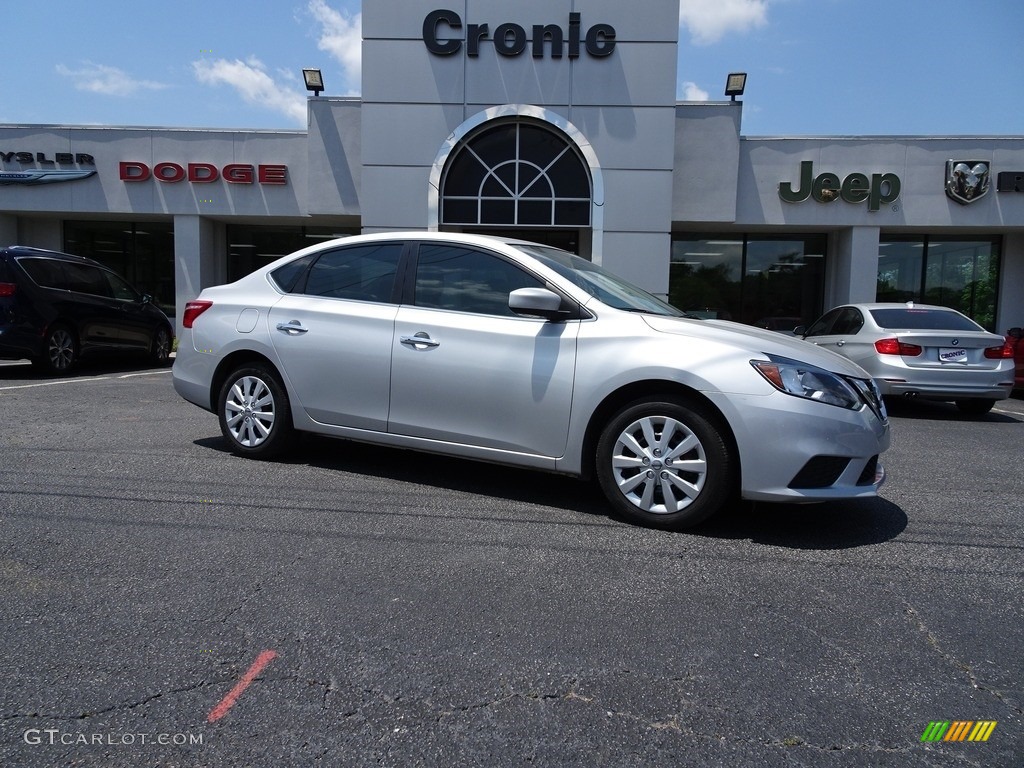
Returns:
<point x="45" y="272"/>
<point x="924" y="319"/>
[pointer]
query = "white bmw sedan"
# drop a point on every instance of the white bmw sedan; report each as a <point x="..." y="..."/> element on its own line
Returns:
<point x="522" y="354"/>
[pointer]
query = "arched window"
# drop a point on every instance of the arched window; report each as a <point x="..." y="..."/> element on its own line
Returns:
<point x="516" y="174"/>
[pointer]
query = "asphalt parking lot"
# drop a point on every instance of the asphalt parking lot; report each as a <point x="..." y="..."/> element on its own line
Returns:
<point x="163" y="602"/>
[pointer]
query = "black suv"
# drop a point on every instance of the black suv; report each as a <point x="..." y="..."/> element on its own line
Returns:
<point x="55" y="308"/>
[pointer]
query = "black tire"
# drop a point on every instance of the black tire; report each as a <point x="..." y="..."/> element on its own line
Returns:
<point x="60" y="351"/>
<point x="644" y="482"/>
<point x="255" y="413"/>
<point x="975" y="406"/>
<point x="160" y="348"/>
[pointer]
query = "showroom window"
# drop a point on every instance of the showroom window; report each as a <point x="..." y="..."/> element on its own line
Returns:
<point x="960" y="273"/>
<point x="520" y="174"/>
<point x="774" y="282"/>
<point x="250" y="248"/>
<point x="140" y="251"/>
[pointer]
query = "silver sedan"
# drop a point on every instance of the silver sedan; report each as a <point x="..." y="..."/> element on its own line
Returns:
<point x="522" y="354"/>
<point x="920" y="350"/>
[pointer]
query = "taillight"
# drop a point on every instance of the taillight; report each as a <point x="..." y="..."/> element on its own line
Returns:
<point x="193" y="310"/>
<point x="897" y="347"/>
<point x="7" y="289"/>
<point x="1004" y="352"/>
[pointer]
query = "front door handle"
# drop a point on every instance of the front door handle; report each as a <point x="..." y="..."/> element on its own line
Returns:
<point x="420" y="340"/>
<point x="292" y="328"/>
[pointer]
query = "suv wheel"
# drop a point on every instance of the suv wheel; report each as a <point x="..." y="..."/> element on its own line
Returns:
<point x="160" y="349"/>
<point x="665" y="464"/>
<point x="60" y="351"/>
<point x="254" y="412"/>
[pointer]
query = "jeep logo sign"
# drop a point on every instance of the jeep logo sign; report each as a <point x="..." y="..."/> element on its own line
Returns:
<point x="511" y="39"/>
<point x="879" y="189"/>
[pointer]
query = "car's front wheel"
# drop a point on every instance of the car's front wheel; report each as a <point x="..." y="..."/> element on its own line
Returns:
<point x="254" y="412"/>
<point x="665" y="464"/>
<point x="975" y="406"/>
<point x="160" y="348"/>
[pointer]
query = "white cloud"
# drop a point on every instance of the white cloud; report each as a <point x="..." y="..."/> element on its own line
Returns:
<point x="710" y="20"/>
<point x="691" y="92"/>
<point x="251" y="81"/>
<point x="342" y="38"/>
<point x="109" y="81"/>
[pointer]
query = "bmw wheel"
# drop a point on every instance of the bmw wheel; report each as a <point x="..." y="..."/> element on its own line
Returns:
<point x="254" y="412"/>
<point x="665" y="464"/>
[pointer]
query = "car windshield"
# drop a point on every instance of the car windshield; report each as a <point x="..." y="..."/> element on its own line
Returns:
<point x="599" y="283"/>
<point x="919" y="319"/>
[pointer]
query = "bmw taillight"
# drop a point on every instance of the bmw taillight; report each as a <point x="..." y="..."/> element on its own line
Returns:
<point x="7" y="289"/>
<point x="897" y="347"/>
<point x="1004" y="352"/>
<point x="193" y="310"/>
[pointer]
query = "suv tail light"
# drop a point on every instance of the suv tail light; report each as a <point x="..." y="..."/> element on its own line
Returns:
<point x="897" y="347"/>
<point x="1004" y="352"/>
<point x="7" y="289"/>
<point x="193" y="310"/>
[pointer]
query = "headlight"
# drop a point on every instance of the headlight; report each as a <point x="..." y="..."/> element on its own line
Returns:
<point x="811" y="382"/>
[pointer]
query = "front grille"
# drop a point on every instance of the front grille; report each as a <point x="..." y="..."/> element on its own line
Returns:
<point x="820" y="472"/>
<point x="867" y="477"/>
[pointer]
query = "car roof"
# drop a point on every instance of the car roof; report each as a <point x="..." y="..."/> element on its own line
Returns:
<point x="24" y="250"/>
<point x="899" y="305"/>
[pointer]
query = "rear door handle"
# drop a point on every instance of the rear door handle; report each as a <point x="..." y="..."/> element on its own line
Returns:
<point x="292" y="328"/>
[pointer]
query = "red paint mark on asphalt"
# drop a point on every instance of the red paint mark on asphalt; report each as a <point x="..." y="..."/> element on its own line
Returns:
<point x="229" y="701"/>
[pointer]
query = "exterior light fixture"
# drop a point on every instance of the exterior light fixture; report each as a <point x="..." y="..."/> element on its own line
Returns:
<point x="315" y="81"/>
<point x="735" y="84"/>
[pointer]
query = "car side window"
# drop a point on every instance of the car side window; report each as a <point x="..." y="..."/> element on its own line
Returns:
<point x="46" y="273"/>
<point x="365" y="273"/>
<point x="120" y="288"/>
<point x="83" y="278"/>
<point x="464" y="280"/>
<point x="823" y="325"/>
<point x="849" y="322"/>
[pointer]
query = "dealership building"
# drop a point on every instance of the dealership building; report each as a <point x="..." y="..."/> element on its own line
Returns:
<point x="553" y="121"/>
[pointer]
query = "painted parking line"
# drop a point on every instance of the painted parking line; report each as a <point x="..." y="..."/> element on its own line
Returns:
<point x="55" y="383"/>
<point x="229" y="701"/>
<point x="144" y="373"/>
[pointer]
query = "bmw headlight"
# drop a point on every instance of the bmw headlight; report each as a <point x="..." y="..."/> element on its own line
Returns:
<point x="809" y="381"/>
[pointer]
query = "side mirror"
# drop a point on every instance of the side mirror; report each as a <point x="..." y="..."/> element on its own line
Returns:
<point x="146" y="298"/>
<point x="1015" y="333"/>
<point x="537" y="302"/>
<point x="800" y="330"/>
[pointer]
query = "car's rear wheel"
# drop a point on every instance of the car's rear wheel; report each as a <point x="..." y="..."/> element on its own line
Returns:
<point x="160" y="349"/>
<point x="665" y="464"/>
<point x="975" y="406"/>
<point x="60" y="351"/>
<point x="254" y="412"/>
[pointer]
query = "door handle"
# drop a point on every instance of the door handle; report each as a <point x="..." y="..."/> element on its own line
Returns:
<point x="419" y="340"/>
<point x="840" y="343"/>
<point x="292" y="328"/>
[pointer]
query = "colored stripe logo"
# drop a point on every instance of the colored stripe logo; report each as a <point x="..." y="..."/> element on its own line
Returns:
<point x="958" y="730"/>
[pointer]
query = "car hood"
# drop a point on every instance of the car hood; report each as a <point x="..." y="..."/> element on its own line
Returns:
<point x="757" y="341"/>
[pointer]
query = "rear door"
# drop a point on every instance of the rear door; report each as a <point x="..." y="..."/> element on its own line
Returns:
<point x="333" y="335"/>
<point x="466" y="369"/>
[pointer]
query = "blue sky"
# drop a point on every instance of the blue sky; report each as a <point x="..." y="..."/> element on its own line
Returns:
<point x="816" y="67"/>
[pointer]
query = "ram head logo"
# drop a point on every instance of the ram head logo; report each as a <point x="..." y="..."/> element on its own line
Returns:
<point x="967" y="180"/>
